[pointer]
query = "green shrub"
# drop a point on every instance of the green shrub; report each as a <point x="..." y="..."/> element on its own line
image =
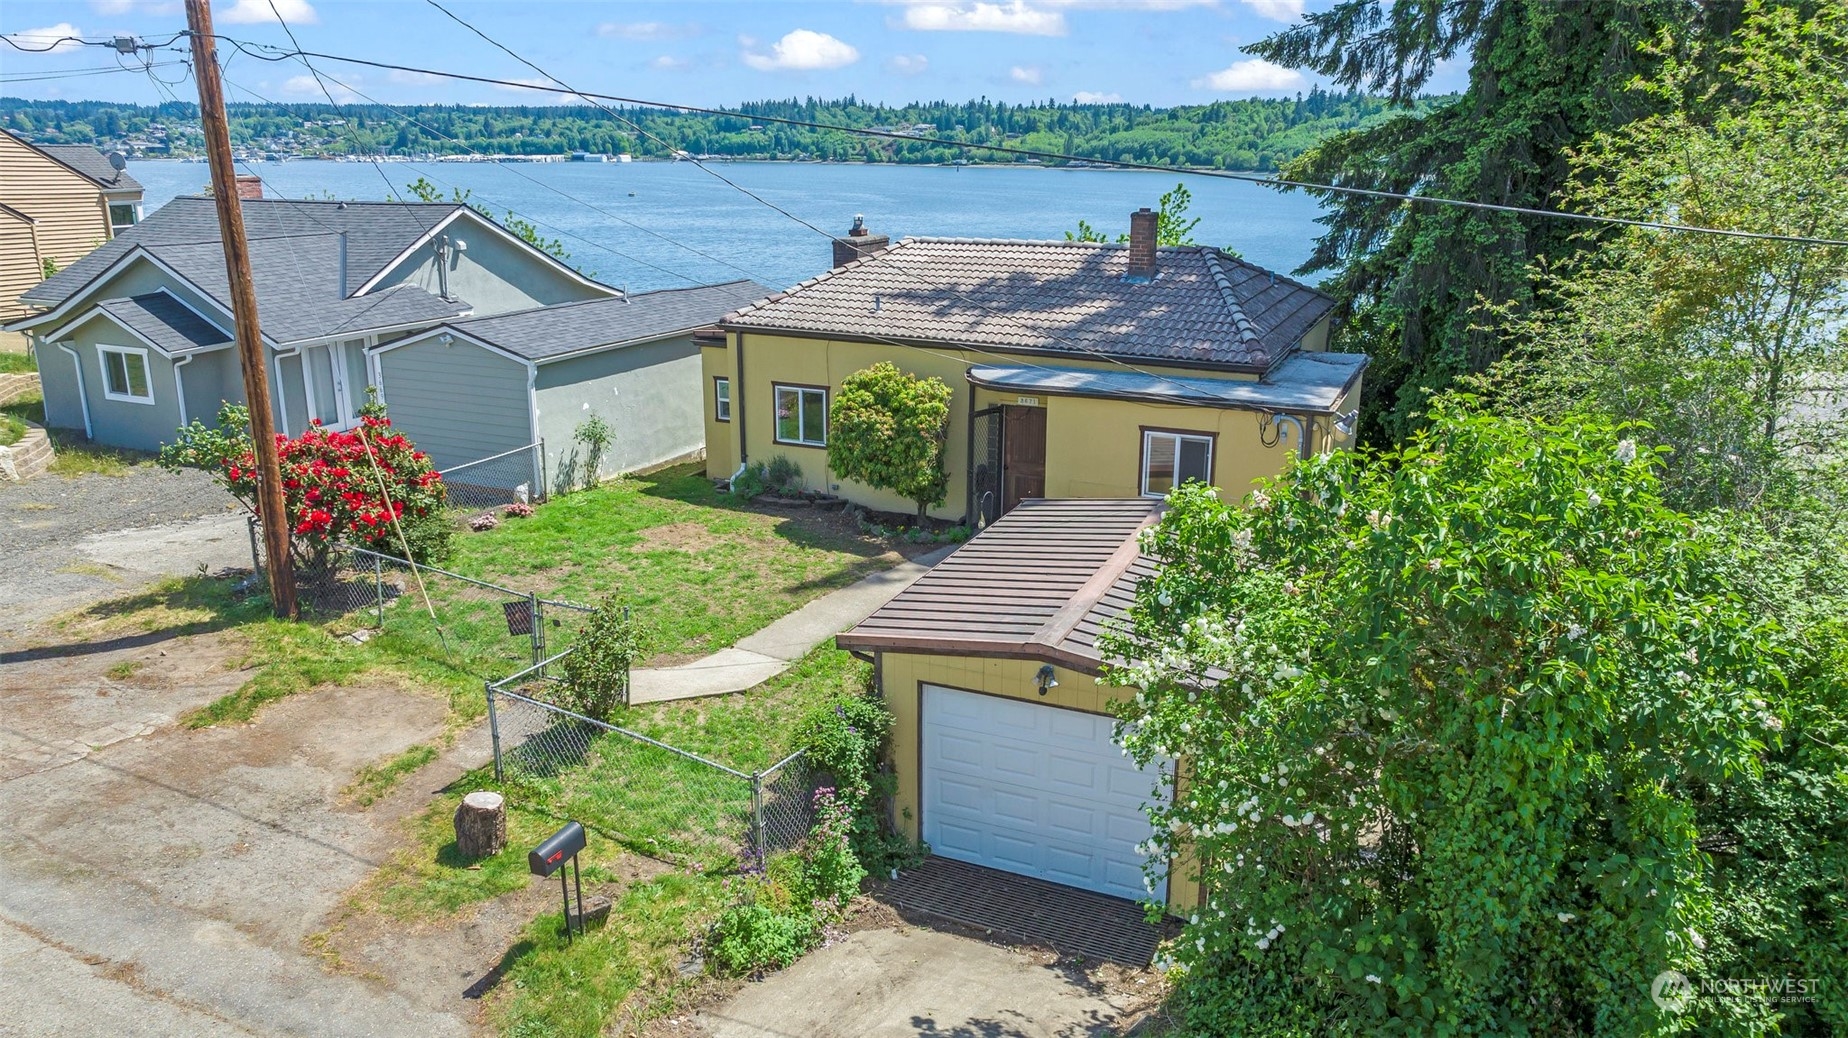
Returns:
<point x="750" y="481"/>
<point x="596" y="436"/>
<point x="845" y="738"/>
<point x="597" y="668"/>
<point x="750" y="935"/>
<point x="829" y="865"/>
<point x="784" y="476"/>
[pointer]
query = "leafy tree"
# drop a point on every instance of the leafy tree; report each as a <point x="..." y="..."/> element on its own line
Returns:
<point x="525" y="230"/>
<point x="1544" y="77"/>
<point x="887" y="429"/>
<point x="1733" y="350"/>
<point x="1171" y="225"/>
<point x="597" y="668"/>
<point x="367" y="486"/>
<point x="1446" y="781"/>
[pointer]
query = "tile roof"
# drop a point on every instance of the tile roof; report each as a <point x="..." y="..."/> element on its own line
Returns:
<point x="166" y="322"/>
<point x="547" y="332"/>
<point x="1304" y="382"/>
<point x="377" y="233"/>
<point x="1204" y="308"/>
<point x="91" y="163"/>
<point x="1039" y="583"/>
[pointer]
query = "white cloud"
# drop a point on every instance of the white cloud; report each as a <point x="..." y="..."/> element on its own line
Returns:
<point x="534" y="96"/>
<point x="305" y="86"/>
<point x="1255" y="76"/>
<point x="1286" y="11"/>
<point x="669" y="63"/>
<point x="1092" y="97"/>
<point x="258" y="12"/>
<point x="1025" y="74"/>
<point x="908" y="64"/>
<point x="1013" y="16"/>
<point x="800" y="50"/>
<point x="647" y="31"/>
<point x="50" y="39"/>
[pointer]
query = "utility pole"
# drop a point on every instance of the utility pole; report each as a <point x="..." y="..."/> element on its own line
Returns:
<point x="250" y="352"/>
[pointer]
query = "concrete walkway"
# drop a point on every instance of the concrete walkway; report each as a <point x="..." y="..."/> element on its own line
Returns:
<point x="769" y="652"/>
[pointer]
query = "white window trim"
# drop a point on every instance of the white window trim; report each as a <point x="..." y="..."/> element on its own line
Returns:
<point x="147" y="370"/>
<point x="721" y="405"/>
<point x="1148" y="439"/>
<point x="776" y="434"/>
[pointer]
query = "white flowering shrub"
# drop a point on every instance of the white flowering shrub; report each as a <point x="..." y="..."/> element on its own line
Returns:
<point x="1437" y="712"/>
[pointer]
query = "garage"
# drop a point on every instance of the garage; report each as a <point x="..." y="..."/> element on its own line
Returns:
<point x="1033" y="789"/>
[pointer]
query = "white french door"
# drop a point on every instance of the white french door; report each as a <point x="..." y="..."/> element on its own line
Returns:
<point x="336" y="377"/>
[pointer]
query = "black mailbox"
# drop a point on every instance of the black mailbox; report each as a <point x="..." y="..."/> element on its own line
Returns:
<point x="557" y="849"/>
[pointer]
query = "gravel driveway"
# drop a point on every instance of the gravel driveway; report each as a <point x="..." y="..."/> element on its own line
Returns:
<point x="66" y="541"/>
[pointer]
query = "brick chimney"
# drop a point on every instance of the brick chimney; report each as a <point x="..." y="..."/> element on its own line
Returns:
<point x="249" y="186"/>
<point x="1142" y="225"/>
<point x="859" y="242"/>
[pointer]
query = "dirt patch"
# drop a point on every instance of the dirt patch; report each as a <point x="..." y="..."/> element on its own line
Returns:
<point x="687" y="537"/>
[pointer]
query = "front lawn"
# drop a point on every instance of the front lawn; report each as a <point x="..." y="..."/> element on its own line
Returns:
<point x="16" y="362"/>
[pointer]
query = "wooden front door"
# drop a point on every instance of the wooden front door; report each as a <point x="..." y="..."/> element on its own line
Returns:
<point x="1023" y="446"/>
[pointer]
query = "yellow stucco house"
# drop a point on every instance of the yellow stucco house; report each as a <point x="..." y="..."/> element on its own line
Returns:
<point x="1077" y="369"/>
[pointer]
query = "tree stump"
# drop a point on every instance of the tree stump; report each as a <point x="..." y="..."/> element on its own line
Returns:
<point x="481" y="824"/>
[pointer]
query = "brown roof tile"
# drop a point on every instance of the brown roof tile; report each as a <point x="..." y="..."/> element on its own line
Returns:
<point x="1204" y="308"/>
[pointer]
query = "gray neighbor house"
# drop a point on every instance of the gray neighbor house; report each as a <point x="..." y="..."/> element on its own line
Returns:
<point x="478" y="342"/>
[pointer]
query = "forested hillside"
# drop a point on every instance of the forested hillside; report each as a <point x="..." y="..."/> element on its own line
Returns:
<point x="1256" y="134"/>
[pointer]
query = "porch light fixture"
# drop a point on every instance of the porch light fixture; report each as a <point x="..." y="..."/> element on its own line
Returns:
<point x="1344" y="423"/>
<point x="1045" y="680"/>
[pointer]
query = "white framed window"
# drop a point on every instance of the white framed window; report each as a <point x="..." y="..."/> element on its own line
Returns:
<point x="126" y="376"/>
<point x="1170" y="459"/>
<point x="123" y="215"/>
<point x="721" y="398"/>
<point x="802" y="415"/>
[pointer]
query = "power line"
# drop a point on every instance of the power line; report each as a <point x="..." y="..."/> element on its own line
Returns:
<point x="1099" y="354"/>
<point x="1218" y="174"/>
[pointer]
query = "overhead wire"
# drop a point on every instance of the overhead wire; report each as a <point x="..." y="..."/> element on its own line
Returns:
<point x="593" y="97"/>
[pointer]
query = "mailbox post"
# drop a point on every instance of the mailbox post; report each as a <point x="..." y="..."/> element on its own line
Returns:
<point x="558" y="850"/>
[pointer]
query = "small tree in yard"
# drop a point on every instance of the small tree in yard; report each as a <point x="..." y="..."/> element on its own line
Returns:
<point x="1471" y="700"/>
<point x="367" y="486"/>
<point x="887" y="429"/>
<point x="597" y="668"/>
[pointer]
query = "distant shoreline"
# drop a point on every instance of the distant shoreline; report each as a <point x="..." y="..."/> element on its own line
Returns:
<point x="1092" y="166"/>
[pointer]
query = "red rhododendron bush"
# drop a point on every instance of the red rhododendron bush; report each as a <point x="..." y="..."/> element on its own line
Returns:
<point x="367" y="486"/>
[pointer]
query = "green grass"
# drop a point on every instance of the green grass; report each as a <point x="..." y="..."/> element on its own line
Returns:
<point x="566" y="990"/>
<point x="16" y="362"/>
<point x="74" y="456"/>
<point x="373" y="781"/>
<point x="12" y="430"/>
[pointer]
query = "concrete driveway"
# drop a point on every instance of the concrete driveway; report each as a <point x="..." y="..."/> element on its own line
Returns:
<point x="909" y="982"/>
<point x="157" y="880"/>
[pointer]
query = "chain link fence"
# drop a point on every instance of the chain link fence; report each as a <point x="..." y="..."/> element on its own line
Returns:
<point x="483" y="627"/>
<point x="513" y="476"/>
<point x="658" y="798"/>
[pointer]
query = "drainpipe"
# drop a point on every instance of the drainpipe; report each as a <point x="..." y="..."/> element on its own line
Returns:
<point x="738" y="395"/>
<point x="83" y="398"/>
<point x="282" y="388"/>
<point x="1305" y="424"/>
<point x="179" y="386"/>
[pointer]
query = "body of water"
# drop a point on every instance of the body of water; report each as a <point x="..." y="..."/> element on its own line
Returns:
<point x="684" y="226"/>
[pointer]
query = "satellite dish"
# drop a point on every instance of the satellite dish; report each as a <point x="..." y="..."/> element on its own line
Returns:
<point x="117" y="161"/>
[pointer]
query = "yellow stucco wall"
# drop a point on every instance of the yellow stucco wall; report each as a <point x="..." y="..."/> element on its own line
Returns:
<point x="721" y="452"/>
<point x="902" y="676"/>
<point x="1093" y="446"/>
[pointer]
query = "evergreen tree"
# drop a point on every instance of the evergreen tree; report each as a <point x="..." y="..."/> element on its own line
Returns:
<point x="1544" y="78"/>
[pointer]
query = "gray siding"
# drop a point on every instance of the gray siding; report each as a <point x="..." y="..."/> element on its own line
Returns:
<point x="457" y="403"/>
<point x="210" y="380"/>
<point x="58" y="379"/>
<point x="492" y="275"/>
<point x="118" y="423"/>
<point x="649" y="394"/>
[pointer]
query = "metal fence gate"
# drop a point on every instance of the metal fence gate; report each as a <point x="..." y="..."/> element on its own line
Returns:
<point x="984" y="467"/>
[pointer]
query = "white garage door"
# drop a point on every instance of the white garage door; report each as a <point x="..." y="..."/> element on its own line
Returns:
<point x="1033" y="789"/>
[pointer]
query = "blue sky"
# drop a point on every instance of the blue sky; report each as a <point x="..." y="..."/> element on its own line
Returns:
<point x="1160" y="52"/>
